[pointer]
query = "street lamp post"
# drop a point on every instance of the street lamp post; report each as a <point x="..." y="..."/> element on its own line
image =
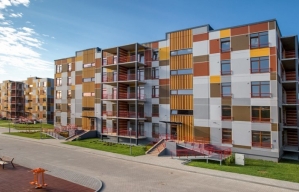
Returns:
<point x="41" y="128"/>
<point x="9" y="126"/>
<point x="130" y="129"/>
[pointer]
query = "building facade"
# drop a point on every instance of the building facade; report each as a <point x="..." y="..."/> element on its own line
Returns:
<point x="235" y="87"/>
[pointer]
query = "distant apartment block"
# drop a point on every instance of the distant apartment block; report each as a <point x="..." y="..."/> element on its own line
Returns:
<point x="32" y="98"/>
<point x="234" y="87"/>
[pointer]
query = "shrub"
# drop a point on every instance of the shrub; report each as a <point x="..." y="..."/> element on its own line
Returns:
<point x="230" y="160"/>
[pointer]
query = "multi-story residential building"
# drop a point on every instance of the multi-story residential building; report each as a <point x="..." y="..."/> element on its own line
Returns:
<point x="39" y="99"/>
<point x="12" y="101"/>
<point x="235" y="87"/>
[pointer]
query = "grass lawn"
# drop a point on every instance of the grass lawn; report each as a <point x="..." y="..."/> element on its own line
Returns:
<point x="32" y="135"/>
<point x="109" y="147"/>
<point x="5" y="123"/>
<point x="285" y="170"/>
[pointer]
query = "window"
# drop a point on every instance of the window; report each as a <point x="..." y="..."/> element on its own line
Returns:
<point x="226" y="112"/>
<point x="181" y="52"/>
<point x="259" y="65"/>
<point x="182" y="112"/>
<point x="58" y="119"/>
<point x="155" y="130"/>
<point x="58" y="82"/>
<point x="226" y="136"/>
<point x="87" y="65"/>
<point x="38" y="85"/>
<point x="69" y="67"/>
<point x="69" y="80"/>
<point x="45" y="83"/>
<point x="261" y="139"/>
<point x="259" y="40"/>
<point x="69" y="93"/>
<point x="88" y="108"/>
<point x="225" y="67"/>
<point x="260" y="89"/>
<point x="181" y="72"/>
<point x="44" y="107"/>
<point x="104" y="61"/>
<point x="58" y="106"/>
<point x="260" y="114"/>
<point x="88" y="79"/>
<point x="88" y="94"/>
<point x="155" y="55"/>
<point x="68" y="107"/>
<point x="155" y="91"/>
<point x="68" y="120"/>
<point x="182" y="92"/>
<point x="226" y="89"/>
<point x="155" y="73"/>
<point x="44" y="116"/>
<point x="225" y="44"/>
<point x="155" y="110"/>
<point x="58" y="94"/>
<point x="58" y="68"/>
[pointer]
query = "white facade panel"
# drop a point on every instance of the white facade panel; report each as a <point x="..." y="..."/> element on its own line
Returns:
<point x="261" y="126"/>
<point x="98" y="78"/>
<point x="164" y="112"/>
<point x="201" y="48"/>
<point x="241" y="133"/>
<point x="164" y="72"/>
<point x="240" y="66"/>
<point x="216" y="135"/>
<point x="214" y="35"/>
<point x="215" y="101"/>
<point x="241" y="89"/>
<point x="201" y="90"/>
<point x="240" y="54"/>
<point x="215" y="65"/>
<point x="201" y="80"/>
<point x="260" y="101"/>
<point x="201" y="122"/>
<point x="272" y="37"/>
<point x="155" y="63"/>
<point x="260" y="77"/>
<point x="215" y="112"/>
<point x="79" y="65"/>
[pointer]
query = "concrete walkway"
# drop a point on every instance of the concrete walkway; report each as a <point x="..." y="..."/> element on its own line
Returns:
<point x="125" y="173"/>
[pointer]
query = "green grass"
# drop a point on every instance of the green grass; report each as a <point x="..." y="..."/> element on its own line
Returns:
<point x="32" y="135"/>
<point x="5" y="123"/>
<point x="285" y="170"/>
<point x="109" y="147"/>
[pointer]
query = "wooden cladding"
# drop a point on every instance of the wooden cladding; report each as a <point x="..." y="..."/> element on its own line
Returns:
<point x="184" y="131"/>
<point x="122" y="55"/>
<point x="181" y="62"/>
<point x="89" y="56"/>
<point x="122" y="124"/>
<point x="123" y="106"/>
<point x="88" y="72"/>
<point x="86" y="121"/>
<point x="181" y="82"/>
<point x="181" y="102"/>
<point x="181" y="40"/>
<point x="87" y="101"/>
<point x="88" y="87"/>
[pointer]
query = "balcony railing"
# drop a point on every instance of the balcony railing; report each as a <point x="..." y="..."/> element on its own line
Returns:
<point x="131" y="96"/>
<point x="262" y="145"/>
<point x="110" y="60"/>
<point x="226" y="95"/>
<point x="109" y="130"/>
<point x="130" y="77"/>
<point x="261" y="95"/>
<point x="226" y="72"/>
<point x="262" y="120"/>
<point x="110" y="113"/>
<point x="155" y="96"/>
<point x="109" y="96"/>
<point x="289" y="54"/>
<point x="227" y="141"/>
<point x="155" y="114"/>
<point x="260" y="70"/>
<point x="109" y="79"/>
<point x="130" y="114"/>
<point x="226" y="118"/>
<point x="133" y="133"/>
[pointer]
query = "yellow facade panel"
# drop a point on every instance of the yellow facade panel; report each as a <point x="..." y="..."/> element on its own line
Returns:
<point x="69" y="60"/>
<point x="215" y="79"/>
<point x="164" y="53"/>
<point x="225" y="33"/>
<point x="58" y="75"/>
<point x="260" y="52"/>
<point x="79" y="58"/>
<point x="73" y="87"/>
<point x="88" y="87"/>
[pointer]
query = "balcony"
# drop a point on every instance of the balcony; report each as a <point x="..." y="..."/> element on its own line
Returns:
<point x="131" y="96"/>
<point x="130" y="114"/>
<point x="155" y="96"/>
<point x="132" y="134"/>
<point x="289" y="54"/>
<point x="110" y="113"/>
<point x="155" y="114"/>
<point x="109" y="96"/>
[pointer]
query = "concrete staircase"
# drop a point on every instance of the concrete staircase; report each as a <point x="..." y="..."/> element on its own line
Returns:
<point x="157" y="149"/>
<point x="74" y="137"/>
<point x="53" y="135"/>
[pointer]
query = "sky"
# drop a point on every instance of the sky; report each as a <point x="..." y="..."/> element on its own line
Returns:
<point x="33" y="33"/>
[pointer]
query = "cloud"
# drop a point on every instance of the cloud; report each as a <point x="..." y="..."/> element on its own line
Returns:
<point x="53" y="37"/>
<point x="28" y="22"/>
<point x="6" y="23"/>
<point x="2" y="16"/>
<point x="16" y="15"/>
<point x="8" y="3"/>
<point x="45" y="35"/>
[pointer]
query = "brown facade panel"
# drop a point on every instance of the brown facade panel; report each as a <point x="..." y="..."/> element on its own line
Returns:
<point x="215" y="90"/>
<point x="155" y="45"/>
<point x="98" y="85"/>
<point x="273" y="63"/>
<point x="163" y="81"/>
<point x="88" y="87"/>
<point x="78" y="122"/>
<point x="78" y="80"/>
<point x="98" y="63"/>
<point x="225" y="56"/>
<point x="272" y="25"/>
<point x="73" y="94"/>
<point x="78" y="73"/>
<point x="258" y="27"/>
<point x="200" y="37"/>
<point x="242" y="146"/>
<point x="63" y="107"/>
<point x="97" y="100"/>
<point x="164" y="91"/>
<point x="240" y="42"/>
<point x="199" y="59"/>
<point x="202" y="132"/>
<point x="241" y="113"/>
<point x="164" y="100"/>
<point x="239" y="30"/>
<point x="164" y="63"/>
<point x="64" y="68"/>
<point x="214" y="46"/>
<point x="201" y="69"/>
<point x="57" y="62"/>
<point x="273" y="50"/>
<point x="274" y="127"/>
<point x="226" y="101"/>
<point x="273" y="76"/>
<point x="98" y="93"/>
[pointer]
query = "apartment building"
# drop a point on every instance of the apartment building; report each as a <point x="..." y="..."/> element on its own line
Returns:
<point x="12" y="101"/>
<point x="39" y="99"/>
<point x="234" y="87"/>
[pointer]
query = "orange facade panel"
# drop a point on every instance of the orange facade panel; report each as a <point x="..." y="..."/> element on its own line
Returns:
<point x="200" y="37"/>
<point x="273" y="63"/>
<point x="181" y="102"/>
<point x="88" y="72"/>
<point x="258" y="27"/>
<point x="181" y="82"/>
<point x="214" y="46"/>
<point x="201" y="69"/>
<point x="181" y="40"/>
<point x="181" y="62"/>
<point x="239" y="30"/>
<point x="163" y="81"/>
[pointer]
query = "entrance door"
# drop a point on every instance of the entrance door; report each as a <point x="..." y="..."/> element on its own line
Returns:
<point x="173" y="132"/>
<point x="92" y="125"/>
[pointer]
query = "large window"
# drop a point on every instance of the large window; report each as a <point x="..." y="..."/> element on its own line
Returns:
<point x="155" y="110"/>
<point x="58" y="82"/>
<point x="88" y="94"/>
<point x="182" y="92"/>
<point x="155" y="73"/>
<point x="58" y="68"/>
<point x="155" y="91"/>
<point x="58" y="94"/>
<point x="181" y="72"/>
<point x="88" y="79"/>
<point x="69" y="80"/>
<point x="58" y="106"/>
<point x="226" y="136"/>
<point x="259" y="40"/>
<point x="261" y="139"/>
<point x="69" y="67"/>
<point x="260" y="114"/>
<point x="226" y="112"/>
<point x="58" y="119"/>
<point x="155" y="55"/>
<point x="260" y="89"/>
<point x="181" y="52"/>
<point x="155" y="130"/>
<point x="225" y="67"/>
<point x="87" y="65"/>
<point x="182" y="112"/>
<point x="259" y="65"/>
<point x="226" y="89"/>
<point x="225" y="44"/>
<point x="69" y="93"/>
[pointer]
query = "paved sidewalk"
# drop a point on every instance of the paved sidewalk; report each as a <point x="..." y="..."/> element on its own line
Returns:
<point x="204" y="177"/>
